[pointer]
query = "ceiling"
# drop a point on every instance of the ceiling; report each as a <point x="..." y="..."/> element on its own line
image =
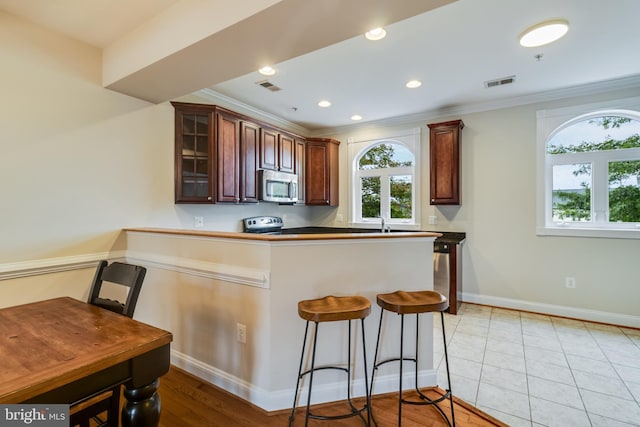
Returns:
<point x="453" y="50"/>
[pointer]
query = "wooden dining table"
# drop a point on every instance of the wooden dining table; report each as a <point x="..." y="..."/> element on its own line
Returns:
<point x="61" y="350"/>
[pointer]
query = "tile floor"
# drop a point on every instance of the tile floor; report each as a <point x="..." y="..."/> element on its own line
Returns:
<point x="534" y="370"/>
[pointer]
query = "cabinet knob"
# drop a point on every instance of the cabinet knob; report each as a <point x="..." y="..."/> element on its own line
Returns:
<point x="209" y="198"/>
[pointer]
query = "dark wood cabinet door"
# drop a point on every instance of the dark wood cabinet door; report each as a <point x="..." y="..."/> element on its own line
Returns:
<point x="268" y="149"/>
<point x="444" y="158"/>
<point x="286" y="153"/>
<point x="321" y="172"/>
<point x="300" y="168"/>
<point x="249" y="142"/>
<point x="193" y="155"/>
<point x="228" y="157"/>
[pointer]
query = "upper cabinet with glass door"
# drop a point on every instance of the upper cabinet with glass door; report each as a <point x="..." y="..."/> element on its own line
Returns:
<point x="193" y="179"/>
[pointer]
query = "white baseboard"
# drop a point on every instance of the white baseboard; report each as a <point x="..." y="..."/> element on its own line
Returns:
<point x="556" y="310"/>
<point x="283" y="399"/>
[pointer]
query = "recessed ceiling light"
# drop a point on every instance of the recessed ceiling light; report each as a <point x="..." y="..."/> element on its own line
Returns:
<point x="376" y="34"/>
<point x="324" y="103"/>
<point x="356" y="117"/>
<point x="267" y="71"/>
<point x="412" y="84"/>
<point x="544" y="33"/>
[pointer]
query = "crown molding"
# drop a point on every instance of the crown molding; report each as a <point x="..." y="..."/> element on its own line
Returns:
<point x="533" y="98"/>
<point x="257" y="113"/>
<point x="546" y="96"/>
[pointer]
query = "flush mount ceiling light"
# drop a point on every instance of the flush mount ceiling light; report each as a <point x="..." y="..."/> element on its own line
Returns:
<point x="412" y="84"/>
<point x="324" y="103"/>
<point x="267" y="71"/>
<point x="376" y="34"/>
<point x="544" y="33"/>
<point x="356" y="117"/>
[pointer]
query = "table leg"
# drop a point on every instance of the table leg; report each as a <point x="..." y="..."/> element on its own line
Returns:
<point x="142" y="406"/>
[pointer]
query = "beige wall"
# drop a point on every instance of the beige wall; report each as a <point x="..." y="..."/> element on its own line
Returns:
<point x="504" y="262"/>
<point x="79" y="163"/>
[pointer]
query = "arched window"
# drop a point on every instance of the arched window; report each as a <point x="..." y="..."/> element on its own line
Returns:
<point x="592" y="172"/>
<point x="384" y="181"/>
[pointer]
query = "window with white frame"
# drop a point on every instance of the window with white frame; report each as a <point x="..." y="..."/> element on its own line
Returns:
<point x="591" y="175"/>
<point x="384" y="180"/>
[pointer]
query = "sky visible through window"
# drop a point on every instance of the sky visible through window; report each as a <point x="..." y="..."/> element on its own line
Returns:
<point x="586" y="130"/>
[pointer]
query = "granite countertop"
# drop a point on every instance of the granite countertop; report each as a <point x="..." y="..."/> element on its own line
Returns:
<point x="452" y="237"/>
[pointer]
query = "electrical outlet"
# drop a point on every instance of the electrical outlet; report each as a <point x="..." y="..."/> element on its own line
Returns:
<point x="339" y="217"/>
<point x="433" y="219"/>
<point x="241" y="333"/>
<point x="198" y="221"/>
<point x="570" y="282"/>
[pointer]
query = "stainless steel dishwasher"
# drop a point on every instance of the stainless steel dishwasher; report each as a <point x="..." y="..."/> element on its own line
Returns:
<point x="441" y="274"/>
<point x="447" y="269"/>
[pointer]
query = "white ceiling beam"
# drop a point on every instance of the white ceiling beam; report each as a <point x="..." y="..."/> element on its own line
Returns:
<point x="284" y="30"/>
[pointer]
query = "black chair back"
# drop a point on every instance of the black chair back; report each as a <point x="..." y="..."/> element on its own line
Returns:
<point x="119" y="273"/>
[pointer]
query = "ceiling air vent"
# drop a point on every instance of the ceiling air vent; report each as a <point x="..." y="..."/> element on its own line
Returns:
<point x="267" y="85"/>
<point x="500" y="82"/>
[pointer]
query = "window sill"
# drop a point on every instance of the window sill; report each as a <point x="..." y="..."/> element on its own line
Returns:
<point x="607" y="233"/>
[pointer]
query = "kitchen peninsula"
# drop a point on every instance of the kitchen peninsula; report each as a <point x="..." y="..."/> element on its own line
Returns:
<point x="230" y="300"/>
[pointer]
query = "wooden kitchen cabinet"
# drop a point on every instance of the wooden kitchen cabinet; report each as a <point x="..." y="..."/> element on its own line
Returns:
<point x="277" y="150"/>
<point x="287" y="153"/>
<point x="249" y="142"/>
<point x="444" y="158"/>
<point x="193" y="154"/>
<point x="218" y="154"/>
<point x="300" y="168"/>
<point x="212" y="161"/>
<point x="321" y="172"/>
<point x="227" y="142"/>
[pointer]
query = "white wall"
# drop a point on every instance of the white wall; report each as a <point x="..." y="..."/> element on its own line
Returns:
<point x="504" y="262"/>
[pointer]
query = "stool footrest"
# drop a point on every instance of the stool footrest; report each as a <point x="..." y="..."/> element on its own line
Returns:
<point x="395" y="359"/>
<point x="354" y="413"/>
<point x="425" y="400"/>
<point x="322" y="368"/>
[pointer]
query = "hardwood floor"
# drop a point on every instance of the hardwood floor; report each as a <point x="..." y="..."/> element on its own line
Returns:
<point x="189" y="401"/>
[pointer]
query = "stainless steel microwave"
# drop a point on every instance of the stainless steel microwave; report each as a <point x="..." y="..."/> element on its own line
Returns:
<point x="278" y="187"/>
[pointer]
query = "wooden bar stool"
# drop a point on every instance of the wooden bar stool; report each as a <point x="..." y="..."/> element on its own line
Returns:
<point x="416" y="302"/>
<point x="331" y="309"/>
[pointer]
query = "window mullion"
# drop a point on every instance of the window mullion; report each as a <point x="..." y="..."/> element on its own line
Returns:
<point x="599" y="193"/>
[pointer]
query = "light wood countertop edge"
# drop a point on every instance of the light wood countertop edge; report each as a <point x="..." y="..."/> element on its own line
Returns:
<point x="283" y="237"/>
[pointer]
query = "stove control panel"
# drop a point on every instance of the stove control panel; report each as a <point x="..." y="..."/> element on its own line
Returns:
<point x="258" y="224"/>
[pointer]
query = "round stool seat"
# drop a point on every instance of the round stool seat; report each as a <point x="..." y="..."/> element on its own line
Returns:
<point x="331" y="308"/>
<point x="403" y="302"/>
